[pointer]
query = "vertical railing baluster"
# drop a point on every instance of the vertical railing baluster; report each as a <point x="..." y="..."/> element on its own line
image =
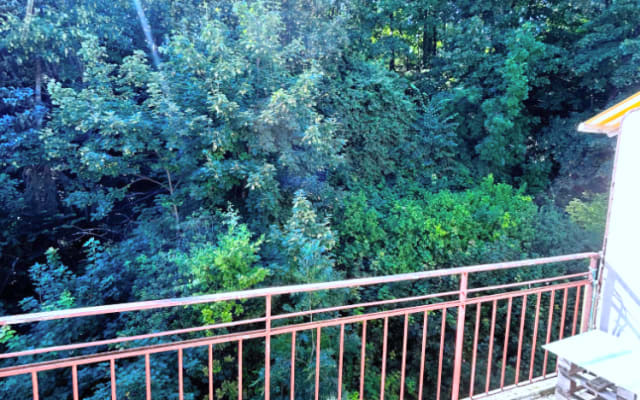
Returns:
<point x="505" y="346"/>
<point x="423" y="348"/>
<point x="34" y="386"/>
<point x="457" y="358"/>
<point x="474" y="353"/>
<point x="575" y="311"/>
<point x="586" y="308"/>
<point x="180" y="376"/>
<point x="563" y="315"/>
<point x="267" y="349"/>
<point x="443" y="326"/>
<point x="588" y="296"/>
<point x="210" y="365"/>
<point x="74" y="380"/>
<point x="383" y="370"/>
<point x="404" y="355"/>
<point x="340" y="358"/>
<point x="293" y="366"/>
<point x="147" y="377"/>
<point x="523" y="312"/>
<point x="318" y="343"/>
<point x="240" y="373"/>
<point x="363" y="347"/>
<point x="548" y="339"/>
<point x="487" y="383"/>
<point x="535" y="337"/>
<point x="112" y="373"/>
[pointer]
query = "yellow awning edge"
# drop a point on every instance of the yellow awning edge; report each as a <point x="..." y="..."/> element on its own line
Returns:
<point x="610" y="120"/>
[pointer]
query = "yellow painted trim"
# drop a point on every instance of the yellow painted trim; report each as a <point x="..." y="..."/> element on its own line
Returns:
<point x="609" y="120"/>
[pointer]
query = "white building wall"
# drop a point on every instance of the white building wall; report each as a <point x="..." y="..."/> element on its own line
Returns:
<point x="620" y="301"/>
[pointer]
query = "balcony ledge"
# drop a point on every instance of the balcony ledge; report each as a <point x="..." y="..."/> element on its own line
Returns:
<point x="540" y="390"/>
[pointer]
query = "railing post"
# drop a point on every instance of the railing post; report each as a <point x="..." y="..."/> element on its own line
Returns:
<point x="34" y="384"/>
<point x="597" y="287"/>
<point x="457" y="361"/>
<point x="587" y="310"/>
<point x="267" y="349"/>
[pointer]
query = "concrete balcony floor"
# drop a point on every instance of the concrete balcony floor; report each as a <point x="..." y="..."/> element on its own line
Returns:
<point x="540" y="390"/>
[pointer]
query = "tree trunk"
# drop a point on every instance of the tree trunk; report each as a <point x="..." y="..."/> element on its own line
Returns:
<point x="38" y="88"/>
<point x="174" y="206"/>
<point x="434" y="46"/>
<point x="29" y="13"/>
<point x="429" y="39"/>
<point x="38" y="78"/>
<point x="392" y="61"/>
<point x="146" y="29"/>
<point x="425" y="41"/>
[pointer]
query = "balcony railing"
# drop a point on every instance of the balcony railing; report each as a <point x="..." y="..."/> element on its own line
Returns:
<point x="481" y="342"/>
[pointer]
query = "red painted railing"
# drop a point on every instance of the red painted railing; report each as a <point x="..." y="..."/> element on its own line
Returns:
<point x="567" y="296"/>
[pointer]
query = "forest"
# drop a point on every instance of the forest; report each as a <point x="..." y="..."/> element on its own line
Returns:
<point x="159" y="148"/>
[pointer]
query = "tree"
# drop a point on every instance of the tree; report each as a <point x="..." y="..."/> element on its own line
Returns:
<point x="228" y="144"/>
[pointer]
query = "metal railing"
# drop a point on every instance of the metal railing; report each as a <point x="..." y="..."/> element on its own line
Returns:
<point x="567" y="296"/>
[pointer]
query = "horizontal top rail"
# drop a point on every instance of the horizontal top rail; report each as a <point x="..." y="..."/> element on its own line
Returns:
<point x="251" y="334"/>
<point x="123" y="339"/>
<point x="282" y="290"/>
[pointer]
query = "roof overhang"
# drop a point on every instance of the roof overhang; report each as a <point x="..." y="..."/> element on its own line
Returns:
<point x="610" y="120"/>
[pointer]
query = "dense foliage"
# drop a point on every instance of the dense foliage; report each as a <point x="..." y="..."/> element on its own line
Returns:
<point x="157" y="148"/>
